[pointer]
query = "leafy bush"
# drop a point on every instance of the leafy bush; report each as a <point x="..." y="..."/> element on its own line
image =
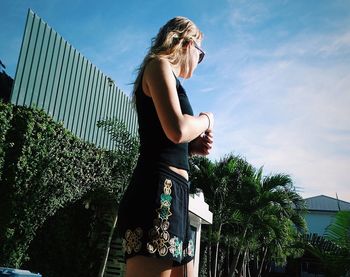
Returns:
<point x="45" y="168"/>
<point x="5" y="118"/>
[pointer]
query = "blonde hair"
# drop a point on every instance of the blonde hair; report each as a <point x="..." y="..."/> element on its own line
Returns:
<point x="168" y="43"/>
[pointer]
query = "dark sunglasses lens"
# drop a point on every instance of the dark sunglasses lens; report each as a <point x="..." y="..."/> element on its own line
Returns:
<point x="201" y="56"/>
<point x="201" y="52"/>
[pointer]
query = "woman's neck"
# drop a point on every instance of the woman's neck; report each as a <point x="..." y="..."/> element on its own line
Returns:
<point x="176" y="69"/>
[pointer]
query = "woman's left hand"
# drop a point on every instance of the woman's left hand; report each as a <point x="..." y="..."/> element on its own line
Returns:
<point x="202" y="144"/>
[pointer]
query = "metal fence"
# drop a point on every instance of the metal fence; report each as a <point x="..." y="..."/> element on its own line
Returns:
<point x="54" y="76"/>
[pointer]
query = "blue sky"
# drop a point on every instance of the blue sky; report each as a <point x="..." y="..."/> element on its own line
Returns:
<point x="276" y="74"/>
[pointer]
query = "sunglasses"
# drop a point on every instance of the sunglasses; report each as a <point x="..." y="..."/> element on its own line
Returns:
<point x="201" y="52"/>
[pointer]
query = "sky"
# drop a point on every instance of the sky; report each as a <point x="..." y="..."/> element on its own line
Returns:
<point x="276" y="73"/>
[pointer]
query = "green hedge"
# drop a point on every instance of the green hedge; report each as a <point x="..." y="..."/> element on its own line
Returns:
<point x="5" y="119"/>
<point x="73" y="242"/>
<point x="45" y="168"/>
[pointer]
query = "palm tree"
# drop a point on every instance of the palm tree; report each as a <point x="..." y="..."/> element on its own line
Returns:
<point x="253" y="215"/>
<point x="256" y="219"/>
<point x="219" y="181"/>
<point x="268" y="209"/>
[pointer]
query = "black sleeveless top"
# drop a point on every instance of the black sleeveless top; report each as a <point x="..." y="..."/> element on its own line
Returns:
<point x="155" y="147"/>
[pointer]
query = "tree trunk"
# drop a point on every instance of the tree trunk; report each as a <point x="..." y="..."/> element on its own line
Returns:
<point x="262" y="262"/>
<point x="113" y="213"/>
<point x="228" y="259"/>
<point x="249" y="273"/>
<point x="242" y="270"/>
<point x="233" y="264"/>
<point x="202" y="270"/>
<point x="217" y="251"/>
<point x="248" y="264"/>
<point x="235" y="261"/>
<point x="209" y="252"/>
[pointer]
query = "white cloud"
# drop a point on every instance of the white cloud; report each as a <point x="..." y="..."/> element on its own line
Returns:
<point x="322" y="46"/>
<point x="243" y="12"/>
<point x="291" y="115"/>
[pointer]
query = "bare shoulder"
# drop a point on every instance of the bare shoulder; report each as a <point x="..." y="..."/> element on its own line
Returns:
<point x="158" y="63"/>
<point x="158" y="68"/>
<point x="158" y="79"/>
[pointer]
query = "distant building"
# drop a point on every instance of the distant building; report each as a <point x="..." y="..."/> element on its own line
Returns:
<point x="321" y="211"/>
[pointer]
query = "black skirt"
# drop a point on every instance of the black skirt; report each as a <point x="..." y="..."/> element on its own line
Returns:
<point x="153" y="216"/>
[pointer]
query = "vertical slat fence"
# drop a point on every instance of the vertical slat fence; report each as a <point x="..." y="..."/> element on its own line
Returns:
<point x="54" y="76"/>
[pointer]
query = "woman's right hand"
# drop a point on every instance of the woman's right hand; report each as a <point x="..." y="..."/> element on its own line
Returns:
<point x="210" y="118"/>
<point x="202" y="144"/>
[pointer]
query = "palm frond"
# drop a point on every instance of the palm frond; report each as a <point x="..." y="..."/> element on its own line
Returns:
<point x="339" y="231"/>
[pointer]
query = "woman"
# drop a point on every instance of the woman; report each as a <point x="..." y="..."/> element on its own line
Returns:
<point x="153" y="215"/>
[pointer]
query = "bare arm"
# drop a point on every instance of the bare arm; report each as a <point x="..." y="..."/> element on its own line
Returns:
<point x="160" y="84"/>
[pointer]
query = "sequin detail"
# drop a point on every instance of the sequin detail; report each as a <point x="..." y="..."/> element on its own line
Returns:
<point x="132" y="240"/>
<point x="175" y="247"/>
<point x="189" y="251"/>
<point x="160" y="240"/>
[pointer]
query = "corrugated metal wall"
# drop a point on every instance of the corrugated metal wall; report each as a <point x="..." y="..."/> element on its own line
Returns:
<point x="54" y="76"/>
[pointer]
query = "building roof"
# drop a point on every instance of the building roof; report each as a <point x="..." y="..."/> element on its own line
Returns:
<point x="326" y="203"/>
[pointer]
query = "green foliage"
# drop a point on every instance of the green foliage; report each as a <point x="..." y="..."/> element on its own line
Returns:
<point x="125" y="156"/>
<point x="333" y="250"/>
<point x="46" y="168"/>
<point x="339" y="231"/>
<point x="254" y="216"/>
<point x="5" y="119"/>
